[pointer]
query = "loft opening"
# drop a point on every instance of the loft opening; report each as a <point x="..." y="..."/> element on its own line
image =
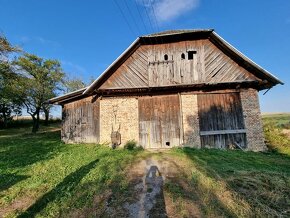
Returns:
<point x="182" y="56"/>
<point x="191" y="54"/>
<point x="166" y="57"/>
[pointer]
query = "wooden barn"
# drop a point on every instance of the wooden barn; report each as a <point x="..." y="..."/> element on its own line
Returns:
<point x="174" y="88"/>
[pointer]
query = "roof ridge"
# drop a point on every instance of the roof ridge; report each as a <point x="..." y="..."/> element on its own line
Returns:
<point x="175" y="32"/>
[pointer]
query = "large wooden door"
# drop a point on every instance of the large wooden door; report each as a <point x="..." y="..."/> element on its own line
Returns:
<point x="221" y="120"/>
<point x="81" y="122"/>
<point x="159" y="121"/>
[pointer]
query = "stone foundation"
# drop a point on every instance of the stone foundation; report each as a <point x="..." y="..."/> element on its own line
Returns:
<point x="252" y="119"/>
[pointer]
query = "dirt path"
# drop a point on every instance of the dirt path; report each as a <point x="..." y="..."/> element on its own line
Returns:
<point x="149" y="190"/>
<point x="158" y="186"/>
<point x="151" y="199"/>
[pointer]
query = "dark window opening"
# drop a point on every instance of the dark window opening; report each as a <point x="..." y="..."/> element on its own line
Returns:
<point x="167" y="143"/>
<point x="166" y="57"/>
<point x="182" y="56"/>
<point x="190" y="54"/>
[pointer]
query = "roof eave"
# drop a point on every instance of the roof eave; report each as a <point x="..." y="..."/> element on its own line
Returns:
<point x="215" y="38"/>
<point x="58" y="99"/>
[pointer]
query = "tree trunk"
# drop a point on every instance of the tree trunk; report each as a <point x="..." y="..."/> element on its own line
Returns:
<point x="46" y="113"/>
<point x="35" y="119"/>
<point x="5" y="120"/>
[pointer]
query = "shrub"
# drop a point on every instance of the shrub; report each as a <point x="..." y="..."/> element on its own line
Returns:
<point x="130" y="145"/>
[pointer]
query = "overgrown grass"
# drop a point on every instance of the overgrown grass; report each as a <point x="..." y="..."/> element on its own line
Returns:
<point x="40" y="176"/>
<point x="274" y="129"/>
<point x="234" y="183"/>
<point x="237" y="183"/>
<point x="277" y="120"/>
<point x="49" y="178"/>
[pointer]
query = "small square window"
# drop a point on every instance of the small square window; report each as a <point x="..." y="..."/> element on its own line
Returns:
<point x="190" y="54"/>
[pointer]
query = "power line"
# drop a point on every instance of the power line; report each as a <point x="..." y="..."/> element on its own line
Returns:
<point x="141" y="18"/>
<point x="140" y="15"/>
<point x="149" y="19"/>
<point x="125" y="18"/>
<point x="156" y="22"/>
<point x="144" y="4"/>
<point x="154" y="16"/>
<point x="131" y="14"/>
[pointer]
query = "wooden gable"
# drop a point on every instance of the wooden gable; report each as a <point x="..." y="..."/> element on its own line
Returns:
<point x="133" y="73"/>
<point x="180" y="63"/>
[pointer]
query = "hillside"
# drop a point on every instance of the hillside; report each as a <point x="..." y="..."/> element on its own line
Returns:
<point x="40" y="176"/>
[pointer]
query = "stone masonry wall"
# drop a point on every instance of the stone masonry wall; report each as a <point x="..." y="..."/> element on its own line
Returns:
<point x="122" y="114"/>
<point x="190" y="121"/>
<point x="253" y="121"/>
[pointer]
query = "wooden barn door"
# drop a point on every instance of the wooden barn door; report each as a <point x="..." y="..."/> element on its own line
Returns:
<point x="221" y="120"/>
<point x="159" y="121"/>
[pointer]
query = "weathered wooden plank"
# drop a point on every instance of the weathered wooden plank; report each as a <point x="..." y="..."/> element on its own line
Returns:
<point x="159" y="120"/>
<point x="222" y="132"/>
<point x="221" y="120"/>
<point x="81" y="121"/>
<point x="147" y="66"/>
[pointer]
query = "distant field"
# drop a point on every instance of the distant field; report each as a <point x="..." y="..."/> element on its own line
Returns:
<point x="281" y="120"/>
<point x="42" y="177"/>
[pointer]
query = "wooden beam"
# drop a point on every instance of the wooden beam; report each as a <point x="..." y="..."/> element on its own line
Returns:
<point x="222" y="132"/>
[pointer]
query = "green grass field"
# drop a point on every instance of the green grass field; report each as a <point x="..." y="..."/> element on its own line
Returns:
<point x="42" y="177"/>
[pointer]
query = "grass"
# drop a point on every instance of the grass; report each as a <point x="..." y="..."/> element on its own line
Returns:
<point x="40" y="176"/>
<point x="236" y="183"/>
<point x="50" y="178"/>
<point x="275" y="128"/>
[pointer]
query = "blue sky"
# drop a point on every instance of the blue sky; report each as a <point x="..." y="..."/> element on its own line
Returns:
<point x="87" y="36"/>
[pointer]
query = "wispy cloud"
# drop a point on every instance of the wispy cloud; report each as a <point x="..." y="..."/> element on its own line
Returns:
<point x="73" y="69"/>
<point x="38" y="39"/>
<point x="167" y="10"/>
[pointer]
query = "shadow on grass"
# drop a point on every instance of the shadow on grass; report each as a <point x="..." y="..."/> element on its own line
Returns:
<point x="260" y="179"/>
<point x="66" y="186"/>
<point x="8" y="180"/>
<point x="28" y="149"/>
<point x="180" y="187"/>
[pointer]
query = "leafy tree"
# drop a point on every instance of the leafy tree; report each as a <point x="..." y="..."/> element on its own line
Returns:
<point x="73" y="84"/>
<point x="9" y="101"/>
<point x="41" y="80"/>
<point x="6" y="47"/>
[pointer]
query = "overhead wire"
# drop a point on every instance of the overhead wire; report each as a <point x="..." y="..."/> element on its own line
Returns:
<point x="131" y="14"/>
<point x="155" y="19"/>
<point x="143" y="22"/>
<point x="125" y="18"/>
<point x="146" y="12"/>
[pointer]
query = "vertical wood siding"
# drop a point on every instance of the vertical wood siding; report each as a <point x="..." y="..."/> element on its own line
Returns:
<point x="81" y="122"/>
<point x="159" y="121"/>
<point x="221" y="112"/>
<point x="148" y="67"/>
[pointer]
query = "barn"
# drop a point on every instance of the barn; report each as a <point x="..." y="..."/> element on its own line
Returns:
<point x="171" y="89"/>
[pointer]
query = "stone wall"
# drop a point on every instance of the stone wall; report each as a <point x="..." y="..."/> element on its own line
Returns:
<point x="190" y="121"/>
<point x="253" y="121"/>
<point x="119" y="114"/>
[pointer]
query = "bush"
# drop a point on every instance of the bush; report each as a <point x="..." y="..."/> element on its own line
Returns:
<point x="275" y="139"/>
<point x="130" y="145"/>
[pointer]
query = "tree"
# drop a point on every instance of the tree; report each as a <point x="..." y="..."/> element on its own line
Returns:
<point x="73" y="84"/>
<point x="9" y="101"/>
<point x="6" y="47"/>
<point x="40" y="80"/>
